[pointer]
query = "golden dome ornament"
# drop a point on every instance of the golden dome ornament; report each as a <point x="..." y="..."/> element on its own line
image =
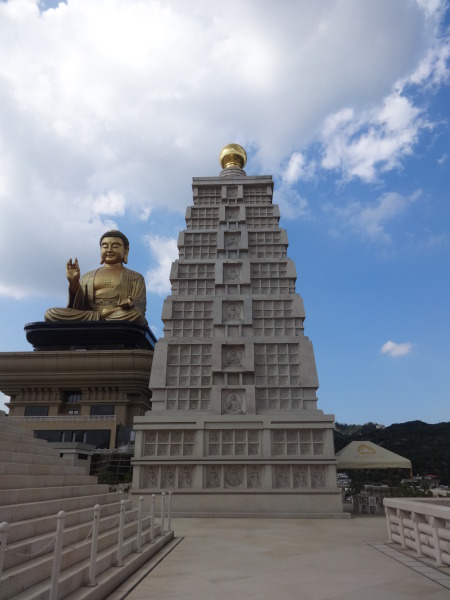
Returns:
<point x="233" y="157"/>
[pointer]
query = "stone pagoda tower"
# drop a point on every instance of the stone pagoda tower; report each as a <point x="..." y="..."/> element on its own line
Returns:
<point x="234" y="428"/>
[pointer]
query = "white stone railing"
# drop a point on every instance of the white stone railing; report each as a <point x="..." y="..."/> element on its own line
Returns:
<point x="65" y="418"/>
<point x="422" y="525"/>
<point x="55" y="544"/>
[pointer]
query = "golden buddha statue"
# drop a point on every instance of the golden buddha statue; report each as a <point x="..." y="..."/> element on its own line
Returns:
<point x="110" y="293"/>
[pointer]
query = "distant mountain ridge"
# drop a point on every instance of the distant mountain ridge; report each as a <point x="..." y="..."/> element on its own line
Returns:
<point x="427" y="446"/>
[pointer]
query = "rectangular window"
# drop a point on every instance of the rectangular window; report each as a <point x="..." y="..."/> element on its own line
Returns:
<point x="102" y="409"/>
<point x="36" y="411"/>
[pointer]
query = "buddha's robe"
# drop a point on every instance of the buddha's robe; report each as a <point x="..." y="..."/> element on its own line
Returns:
<point x="87" y="304"/>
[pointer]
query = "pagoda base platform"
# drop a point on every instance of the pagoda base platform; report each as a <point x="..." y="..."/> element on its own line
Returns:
<point x="253" y="466"/>
<point x="263" y="505"/>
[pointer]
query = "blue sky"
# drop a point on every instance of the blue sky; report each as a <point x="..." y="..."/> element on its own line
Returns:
<point x="109" y="108"/>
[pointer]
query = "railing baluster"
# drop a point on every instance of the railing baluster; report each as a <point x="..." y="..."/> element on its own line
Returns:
<point x="169" y="512"/>
<point x="119" y="562"/>
<point x="61" y="517"/>
<point x="95" y="530"/>
<point x="163" y="497"/>
<point x="4" y="528"/>
<point x="139" y="527"/>
<point x="152" y="519"/>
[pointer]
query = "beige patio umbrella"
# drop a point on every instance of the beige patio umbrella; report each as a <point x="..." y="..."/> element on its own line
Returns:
<point x="367" y="455"/>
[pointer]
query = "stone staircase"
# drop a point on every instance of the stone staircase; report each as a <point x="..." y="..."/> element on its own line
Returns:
<point x="35" y="484"/>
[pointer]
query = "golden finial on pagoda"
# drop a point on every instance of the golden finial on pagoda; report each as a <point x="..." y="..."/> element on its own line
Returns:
<point x="233" y="156"/>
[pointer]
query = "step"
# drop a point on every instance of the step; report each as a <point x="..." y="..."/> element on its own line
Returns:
<point x="8" y="424"/>
<point x="33" y="481"/>
<point x="33" y="510"/>
<point x="77" y="529"/>
<point x="40" y="494"/>
<point x="14" y="446"/>
<point x="26" y="529"/>
<point x="22" y="436"/>
<point x="13" y="468"/>
<point x="112" y="578"/>
<point x="22" y="576"/>
<point x="73" y="581"/>
<point x="31" y="458"/>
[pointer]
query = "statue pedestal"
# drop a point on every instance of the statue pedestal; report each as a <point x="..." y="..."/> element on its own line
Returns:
<point x="69" y="335"/>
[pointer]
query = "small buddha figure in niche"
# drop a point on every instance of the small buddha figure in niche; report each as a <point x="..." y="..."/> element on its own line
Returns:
<point x="233" y="313"/>
<point x="109" y="293"/>
<point x="233" y="404"/>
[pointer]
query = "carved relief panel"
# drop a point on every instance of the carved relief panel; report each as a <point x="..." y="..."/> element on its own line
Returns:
<point x="233" y="402"/>
<point x="232" y="240"/>
<point x="234" y="476"/>
<point x="232" y="312"/>
<point x="232" y="273"/>
<point x="232" y="213"/>
<point x="232" y="356"/>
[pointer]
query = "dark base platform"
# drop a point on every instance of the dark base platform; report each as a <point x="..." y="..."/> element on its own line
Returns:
<point x="89" y="336"/>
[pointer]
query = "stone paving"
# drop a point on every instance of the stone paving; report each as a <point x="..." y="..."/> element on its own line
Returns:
<point x="286" y="559"/>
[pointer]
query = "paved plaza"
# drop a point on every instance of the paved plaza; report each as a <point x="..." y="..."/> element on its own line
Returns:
<point x="285" y="559"/>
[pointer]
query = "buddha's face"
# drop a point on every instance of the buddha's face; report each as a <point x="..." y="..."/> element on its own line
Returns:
<point x="113" y="251"/>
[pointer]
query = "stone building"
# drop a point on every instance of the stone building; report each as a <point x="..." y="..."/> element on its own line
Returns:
<point x="83" y="383"/>
<point x="234" y="427"/>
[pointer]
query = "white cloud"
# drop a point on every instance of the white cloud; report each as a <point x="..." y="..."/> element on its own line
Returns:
<point x="297" y="168"/>
<point x="164" y="252"/>
<point x="375" y="140"/>
<point x="292" y="205"/>
<point x="394" y="349"/>
<point x="443" y="159"/>
<point x="103" y="102"/>
<point x="370" y="221"/>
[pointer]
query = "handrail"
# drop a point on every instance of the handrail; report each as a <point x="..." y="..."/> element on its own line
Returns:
<point x="60" y="418"/>
<point x="422" y="525"/>
<point x="142" y="536"/>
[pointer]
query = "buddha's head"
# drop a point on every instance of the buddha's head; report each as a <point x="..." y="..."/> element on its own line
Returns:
<point x="114" y="248"/>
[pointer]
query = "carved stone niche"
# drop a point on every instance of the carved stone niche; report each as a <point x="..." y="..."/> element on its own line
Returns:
<point x="232" y="240"/>
<point x="254" y="477"/>
<point x="233" y="402"/>
<point x="232" y="356"/>
<point x="232" y="273"/>
<point x="232" y="312"/>
<point x="234" y="476"/>
<point x="232" y="213"/>
<point x="213" y="476"/>
<point x="185" y="478"/>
